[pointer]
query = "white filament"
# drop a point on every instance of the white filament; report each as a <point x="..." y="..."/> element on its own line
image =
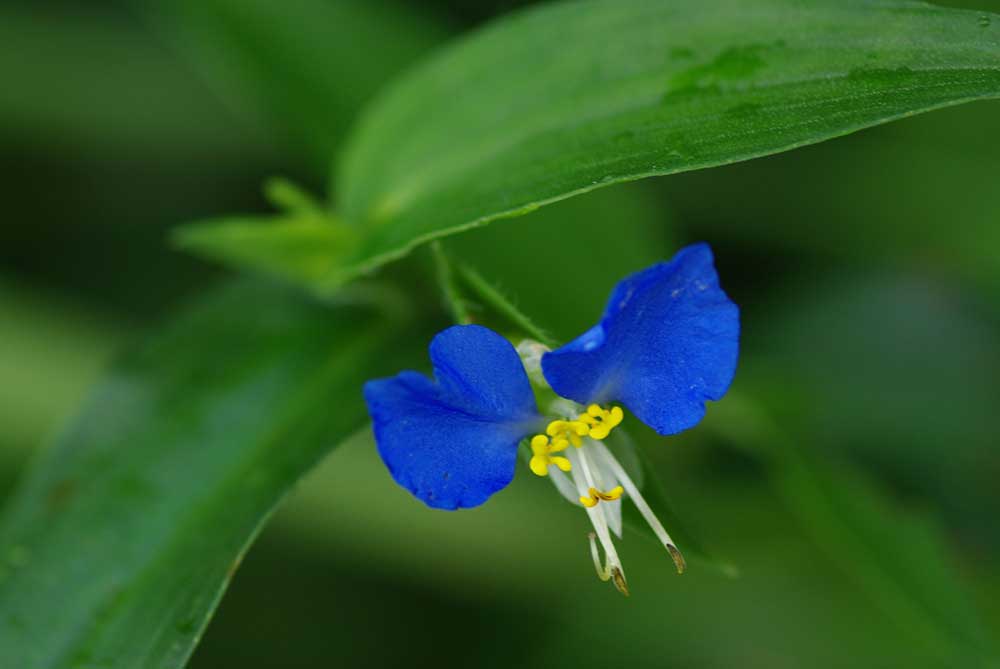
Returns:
<point x="563" y="484"/>
<point x="637" y="497"/>
<point x="596" y="515"/>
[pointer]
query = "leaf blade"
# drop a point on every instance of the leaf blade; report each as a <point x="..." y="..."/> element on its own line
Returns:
<point x="305" y="67"/>
<point x="127" y="531"/>
<point x="297" y="247"/>
<point x="898" y="559"/>
<point x="509" y="119"/>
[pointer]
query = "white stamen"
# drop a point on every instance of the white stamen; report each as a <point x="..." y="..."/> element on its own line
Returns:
<point x="597" y="518"/>
<point x="565" y="487"/>
<point x="587" y="475"/>
<point x="605" y="479"/>
<point x="613" y="514"/>
<point x="603" y="572"/>
<point x="643" y="507"/>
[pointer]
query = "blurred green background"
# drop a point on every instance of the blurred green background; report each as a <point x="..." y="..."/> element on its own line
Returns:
<point x="867" y="268"/>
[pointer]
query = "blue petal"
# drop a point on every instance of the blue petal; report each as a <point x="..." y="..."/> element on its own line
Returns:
<point x="453" y="442"/>
<point x="668" y="341"/>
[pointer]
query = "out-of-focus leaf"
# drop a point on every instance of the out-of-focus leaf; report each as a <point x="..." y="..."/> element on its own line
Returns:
<point x="122" y="538"/>
<point x="94" y="79"/>
<point x="569" y="97"/>
<point x="51" y="350"/>
<point x="301" y="247"/>
<point x="306" y="65"/>
<point x="656" y="497"/>
<point x="296" y="247"/>
<point x="898" y="371"/>
<point x="915" y="193"/>
<point x="897" y="559"/>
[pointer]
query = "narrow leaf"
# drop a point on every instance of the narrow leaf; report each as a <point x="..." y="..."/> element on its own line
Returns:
<point x="568" y="97"/>
<point x="297" y="247"/>
<point x="120" y="542"/>
<point x="899" y="560"/>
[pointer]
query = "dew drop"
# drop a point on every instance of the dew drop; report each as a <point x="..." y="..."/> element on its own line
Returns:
<point x="984" y="22"/>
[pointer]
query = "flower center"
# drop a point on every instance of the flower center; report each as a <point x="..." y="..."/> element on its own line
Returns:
<point x="589" y="473"/>
<point x="596" y="422"/>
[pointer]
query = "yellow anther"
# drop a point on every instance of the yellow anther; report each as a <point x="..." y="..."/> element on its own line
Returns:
<point x="596" y="496"/>
<point x="568" y="430"/>
<point x="601" y="421"/>
<point x="610" y="495"/>
<point x="542" y="448"/>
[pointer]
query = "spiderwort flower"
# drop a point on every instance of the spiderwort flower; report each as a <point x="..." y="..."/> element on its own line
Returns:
<point x="453" y="442"/>
<point x="666" y="344"/>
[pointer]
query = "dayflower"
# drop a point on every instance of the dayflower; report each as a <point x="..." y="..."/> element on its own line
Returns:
<point x="666" y="344"/>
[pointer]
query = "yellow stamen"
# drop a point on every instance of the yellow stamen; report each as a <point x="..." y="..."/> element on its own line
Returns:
<point x="601" y="421"/>
<point x="595" y="423"/>
<point x="569" y="430"/>
<point x="597" y="495"/>
<point x="542" y="448"/>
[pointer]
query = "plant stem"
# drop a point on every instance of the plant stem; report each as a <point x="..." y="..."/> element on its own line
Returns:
<point x="501" y="305"/>
<point x="449" y="289"/>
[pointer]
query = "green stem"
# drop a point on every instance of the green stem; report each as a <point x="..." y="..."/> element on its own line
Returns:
<point x="501" y="305"/>
<point x="446" y="281"/>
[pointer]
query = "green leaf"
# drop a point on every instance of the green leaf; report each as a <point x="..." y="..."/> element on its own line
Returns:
<point x="898" y="559"/>
<point x="305" y="66"/>
<point x="573" y="96"/>
<point x="296" y="246"/>
<point x="97" y="83"/>
<point x="118" y="546"/>
<point x="45" y="337"/>
<point x="877" y="197"/>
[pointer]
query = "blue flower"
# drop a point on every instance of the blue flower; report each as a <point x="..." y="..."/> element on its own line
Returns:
<point x="666" y="344"/>
<point x="453" y="442"/>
